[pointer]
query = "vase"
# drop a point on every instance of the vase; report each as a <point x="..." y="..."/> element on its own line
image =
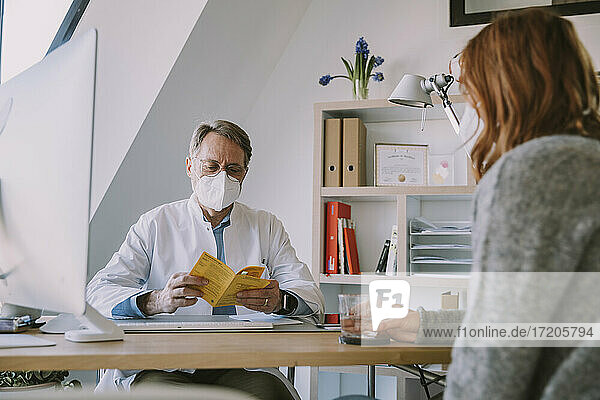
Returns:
<point x="360" y="91"/>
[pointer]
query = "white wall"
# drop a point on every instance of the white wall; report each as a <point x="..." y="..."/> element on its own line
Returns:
<point x="412" y="36"/>
<point x="138" y="43"/>
<point x="28" y="28"/>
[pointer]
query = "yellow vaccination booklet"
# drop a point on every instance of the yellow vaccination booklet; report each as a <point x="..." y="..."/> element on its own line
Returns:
<point x="223" y="283"/>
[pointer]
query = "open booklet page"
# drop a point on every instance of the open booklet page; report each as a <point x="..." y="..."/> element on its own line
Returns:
<point x="223" y="283"/>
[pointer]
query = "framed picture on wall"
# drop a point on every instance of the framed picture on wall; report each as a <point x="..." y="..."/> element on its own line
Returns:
<point x="472" y="12"/>
<point x="441" y="169"/>
<point x="400" y="164"/>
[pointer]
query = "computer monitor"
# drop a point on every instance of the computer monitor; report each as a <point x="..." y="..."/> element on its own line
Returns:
<point x="47" y="115"/>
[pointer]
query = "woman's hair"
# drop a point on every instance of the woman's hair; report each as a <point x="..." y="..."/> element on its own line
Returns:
<point x="528" y="75"/>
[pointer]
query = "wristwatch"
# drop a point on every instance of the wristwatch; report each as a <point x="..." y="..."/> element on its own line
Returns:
<point x="289" y="303"/>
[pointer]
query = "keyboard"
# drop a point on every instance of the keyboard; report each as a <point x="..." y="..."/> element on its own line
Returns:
<point x="170" y="326"/>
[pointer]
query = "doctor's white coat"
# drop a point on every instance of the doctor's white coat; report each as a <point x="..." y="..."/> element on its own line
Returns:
<point x="172" y="237"/>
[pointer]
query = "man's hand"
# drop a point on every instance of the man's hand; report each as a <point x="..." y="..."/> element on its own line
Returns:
<point x="401" y="329"/>
<point x="181" y="290"/>
<point x="267" y="300"/>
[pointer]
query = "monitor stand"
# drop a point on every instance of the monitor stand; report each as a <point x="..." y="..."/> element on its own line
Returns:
<point x="99" y="329"/>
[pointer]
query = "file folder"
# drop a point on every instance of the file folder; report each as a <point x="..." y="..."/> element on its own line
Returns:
<point x="351" y="251"/>
<point x="354" y="138"/>
<point x="333" y="153"/>
<point x="335" y="210"/>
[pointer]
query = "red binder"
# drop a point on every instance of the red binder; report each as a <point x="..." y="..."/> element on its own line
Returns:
<point x="351" y="251"/>
<point x="335" y="210"/>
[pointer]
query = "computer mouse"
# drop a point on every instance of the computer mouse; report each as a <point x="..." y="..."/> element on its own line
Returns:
<point x="61" y="324"/>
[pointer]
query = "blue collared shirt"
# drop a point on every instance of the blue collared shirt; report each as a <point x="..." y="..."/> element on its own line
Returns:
<point x="218" y="233"/>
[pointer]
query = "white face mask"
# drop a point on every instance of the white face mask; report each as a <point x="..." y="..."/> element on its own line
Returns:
<point x="217" y="191"/>
<point x="470" y="128"/>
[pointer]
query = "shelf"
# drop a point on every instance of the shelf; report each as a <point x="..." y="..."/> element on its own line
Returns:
<point x="381" y="110"/>
<point x="379" y="207"/>
<point x="389" y="193"/>
<point x="437" y="277"/>
<point x="353" y="279"/>
<point x="420" y="280"/>
<point x="441" y="262"/>
<point x="440" y="233"/>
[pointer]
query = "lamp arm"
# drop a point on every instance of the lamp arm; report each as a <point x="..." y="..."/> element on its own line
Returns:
<point x="451" y="114"/>
<point x="440" y="84"/>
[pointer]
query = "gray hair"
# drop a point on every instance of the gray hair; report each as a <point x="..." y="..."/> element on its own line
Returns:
<point x="223" y="128"/>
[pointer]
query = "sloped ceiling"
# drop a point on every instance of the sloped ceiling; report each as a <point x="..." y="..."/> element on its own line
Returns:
<point x="138" y="43"/>
<point x="223" y="67"/>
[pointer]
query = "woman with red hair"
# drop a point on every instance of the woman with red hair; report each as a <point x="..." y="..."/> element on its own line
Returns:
<point x="536" y="207"/>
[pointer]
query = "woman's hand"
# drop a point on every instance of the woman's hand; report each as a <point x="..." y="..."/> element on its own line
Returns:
<point x="401" y="329"/>
<point x="358" y="319"/>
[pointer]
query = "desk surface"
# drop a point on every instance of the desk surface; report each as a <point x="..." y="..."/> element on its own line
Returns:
<point x="214" y="350"/>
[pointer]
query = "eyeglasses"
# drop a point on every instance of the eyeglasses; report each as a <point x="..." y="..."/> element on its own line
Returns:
<point x="212" y="167"/>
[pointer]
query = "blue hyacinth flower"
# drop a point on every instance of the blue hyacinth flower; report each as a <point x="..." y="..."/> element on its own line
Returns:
<point x="378" y="77"/>
<point x="378" y="61"/>
<point x="362" y="47"/>
<point x="325" y="79"/>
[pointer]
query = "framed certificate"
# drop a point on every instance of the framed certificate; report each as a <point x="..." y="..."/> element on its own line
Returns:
<point x="400" y="164"/>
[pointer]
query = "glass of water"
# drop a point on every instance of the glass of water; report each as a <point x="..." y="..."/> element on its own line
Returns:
<point x="355" y="319"/>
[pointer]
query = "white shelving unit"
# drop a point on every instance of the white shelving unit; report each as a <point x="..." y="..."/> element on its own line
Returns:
<point x="376" y="209"/>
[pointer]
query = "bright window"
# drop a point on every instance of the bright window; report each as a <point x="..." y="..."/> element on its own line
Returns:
<point x="28" y="28"/>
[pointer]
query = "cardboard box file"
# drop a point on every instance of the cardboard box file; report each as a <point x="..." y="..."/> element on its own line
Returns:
<point x="332" y="167"/>
<point x="449" y="301"/>
<point x="354" y="138"/>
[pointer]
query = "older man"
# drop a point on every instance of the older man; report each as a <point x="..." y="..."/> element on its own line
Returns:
<point x="149" y="273"/>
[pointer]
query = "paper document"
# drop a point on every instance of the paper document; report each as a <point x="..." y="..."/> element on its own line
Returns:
<point x="423" y="225"/>
<point x="223" y="283"/>
<point x="429" y="258"/>
<point x="424" y="222"/>
<point x="441" y="229"/>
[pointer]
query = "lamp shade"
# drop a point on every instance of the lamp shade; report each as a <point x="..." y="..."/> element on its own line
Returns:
<point x="411" y="92"/>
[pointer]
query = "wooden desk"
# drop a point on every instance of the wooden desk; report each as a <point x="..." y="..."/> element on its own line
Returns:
<point x="214" y="350"/>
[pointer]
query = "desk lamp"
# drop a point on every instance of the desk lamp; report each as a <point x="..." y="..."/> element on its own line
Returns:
<point x="415" y="91"/>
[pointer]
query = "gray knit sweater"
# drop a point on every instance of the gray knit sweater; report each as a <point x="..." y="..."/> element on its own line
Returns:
<point x="536" y="210"/>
